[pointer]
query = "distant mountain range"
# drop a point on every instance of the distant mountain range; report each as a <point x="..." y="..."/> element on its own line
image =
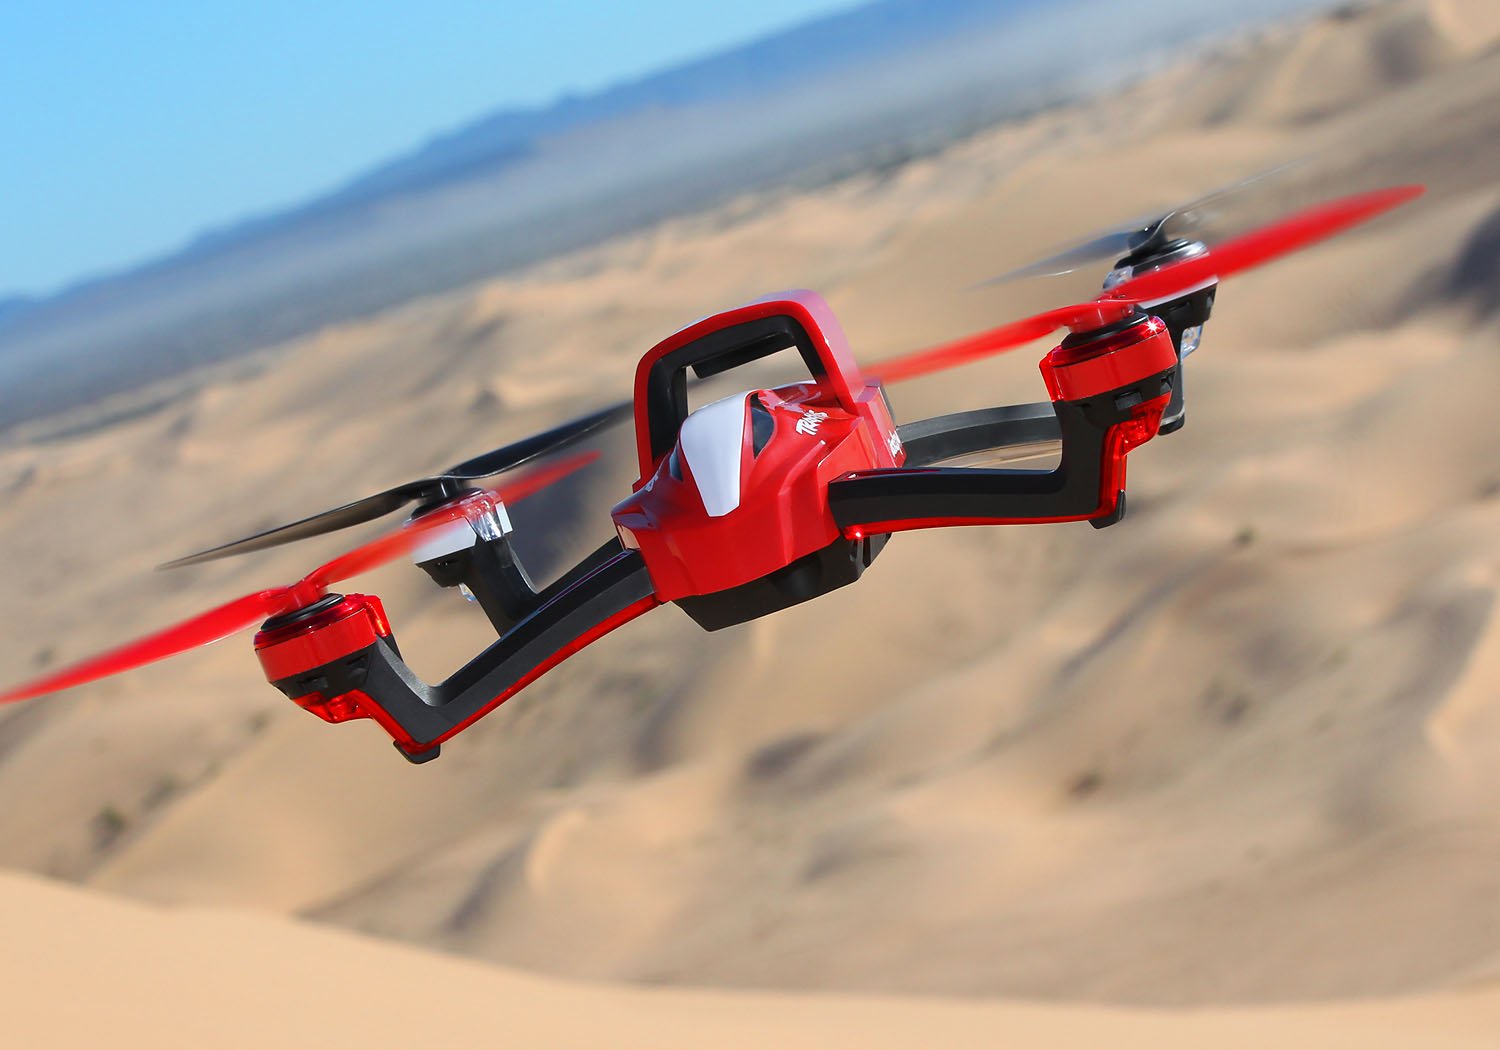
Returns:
<point x="870" y="85"/>
<point x="874" y="33"/>
<point x="13" y="304"/>
<point x="817" y="50"/>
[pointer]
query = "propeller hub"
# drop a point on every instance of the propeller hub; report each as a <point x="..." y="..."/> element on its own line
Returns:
<point x="1080" y="337"/>
<point x="315" y="608"/>
<point x="1153" y="255"/>
<point x="447" y="491"/>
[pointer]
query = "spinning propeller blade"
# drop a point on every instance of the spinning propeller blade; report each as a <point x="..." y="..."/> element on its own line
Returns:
<point x="1138" y="234"/>
<point x="1259" y="247"/>
<point x="229" y="618"/>
<point x="1233" y="256"/>
<point x="424" y="490"/>
<point x="993" y="340"/>
<point x="233" y="617"/>
<point x="398" y="544"/>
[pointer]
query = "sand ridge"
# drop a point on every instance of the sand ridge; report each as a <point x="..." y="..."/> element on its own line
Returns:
<point x="189" y="978"/>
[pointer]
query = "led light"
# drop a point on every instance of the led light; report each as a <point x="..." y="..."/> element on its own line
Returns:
<point x="488" y="517"/>
<point x="1118" y="276"/>
<point x="1191" y="337"/>
<point x="1143" y="424"/>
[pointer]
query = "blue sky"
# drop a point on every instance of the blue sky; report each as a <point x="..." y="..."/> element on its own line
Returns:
<point x="125" y="128"/>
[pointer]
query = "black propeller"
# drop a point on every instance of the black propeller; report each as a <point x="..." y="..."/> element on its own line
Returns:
<point x="1147" y="235"/>
<point x="427" y="492"/>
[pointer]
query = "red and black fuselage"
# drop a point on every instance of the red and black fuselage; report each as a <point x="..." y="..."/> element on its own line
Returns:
<point x="749" y="505"/>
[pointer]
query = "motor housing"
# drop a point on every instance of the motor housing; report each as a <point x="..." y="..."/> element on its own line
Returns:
<point x="316" y="655"/>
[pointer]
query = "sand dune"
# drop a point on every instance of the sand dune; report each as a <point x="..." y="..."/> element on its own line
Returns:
<point x="195" y="978"/>
<point x="1241" y="749"/>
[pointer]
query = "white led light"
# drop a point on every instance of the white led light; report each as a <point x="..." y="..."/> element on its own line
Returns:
<point x="1191" y="337"/>
<point x="490" y="520"/>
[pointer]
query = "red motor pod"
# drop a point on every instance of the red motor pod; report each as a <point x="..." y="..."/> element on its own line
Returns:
<point x="1090" y="364"/>
<point x="321" y="634"/>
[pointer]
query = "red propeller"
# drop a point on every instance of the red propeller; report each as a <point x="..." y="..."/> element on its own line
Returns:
<point x="233" y="617"/>
<point x="1233" y="256"/>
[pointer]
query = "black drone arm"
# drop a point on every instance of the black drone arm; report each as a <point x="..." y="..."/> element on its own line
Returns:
<point x="608" y="589"/>
<point x="1087" y="484"/>
<point x="497" y="581"/>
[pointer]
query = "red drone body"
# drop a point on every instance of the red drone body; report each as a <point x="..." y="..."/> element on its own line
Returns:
<point x="742" y="489"/>
<point x="744" y="506"/>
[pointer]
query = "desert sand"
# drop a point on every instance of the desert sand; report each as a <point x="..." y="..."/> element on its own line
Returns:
<point x="1222" y="775"/>
<point x="191" y="978"/>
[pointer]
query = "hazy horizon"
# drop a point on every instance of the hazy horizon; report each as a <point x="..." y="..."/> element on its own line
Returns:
<point x="349" y="92"/>
<point x="868" y="88"/>
<point x="134" y="219"/>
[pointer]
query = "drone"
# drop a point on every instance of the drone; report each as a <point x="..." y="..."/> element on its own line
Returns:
<point x="751" y="504"/>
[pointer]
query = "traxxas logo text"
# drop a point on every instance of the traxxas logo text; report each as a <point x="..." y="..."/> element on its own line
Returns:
<point x="810" y="422"/>
<point x="894" y="444"/>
